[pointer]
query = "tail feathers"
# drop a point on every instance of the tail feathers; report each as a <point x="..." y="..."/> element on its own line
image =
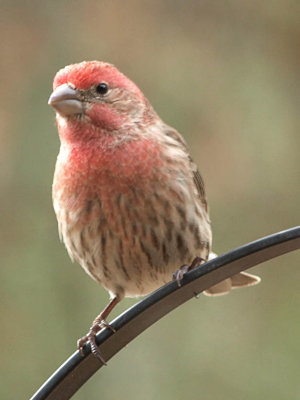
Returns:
<point x="243" y="279"/>
<point x="219" y="289"/>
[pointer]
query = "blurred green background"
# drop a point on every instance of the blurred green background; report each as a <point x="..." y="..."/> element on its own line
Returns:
<point x="225" y="74"/>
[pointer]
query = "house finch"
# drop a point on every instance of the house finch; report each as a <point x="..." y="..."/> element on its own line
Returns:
<point x="129" y="200"/>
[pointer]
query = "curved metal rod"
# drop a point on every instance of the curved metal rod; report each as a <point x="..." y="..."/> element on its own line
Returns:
<point x="77" y="369"/>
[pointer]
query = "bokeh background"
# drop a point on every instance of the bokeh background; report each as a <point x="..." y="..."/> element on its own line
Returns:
<point x="225" y="74"/>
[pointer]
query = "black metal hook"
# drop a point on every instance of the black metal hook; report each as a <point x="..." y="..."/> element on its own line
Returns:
<point x="71" y="375"/>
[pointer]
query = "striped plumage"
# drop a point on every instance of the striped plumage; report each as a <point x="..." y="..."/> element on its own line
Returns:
<point x="131" y="234"/>
<point x="129" y="200"/>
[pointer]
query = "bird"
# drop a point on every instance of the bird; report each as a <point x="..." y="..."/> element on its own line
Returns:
<point x="129" y="200"/>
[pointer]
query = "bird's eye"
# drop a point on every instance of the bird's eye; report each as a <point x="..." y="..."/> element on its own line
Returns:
<point x="102" y="88"/>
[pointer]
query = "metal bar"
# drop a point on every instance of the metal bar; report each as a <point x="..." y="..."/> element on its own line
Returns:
<point x="71" y="375"/>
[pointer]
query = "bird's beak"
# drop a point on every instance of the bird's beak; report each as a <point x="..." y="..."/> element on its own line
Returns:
<point x="66" y="101"/>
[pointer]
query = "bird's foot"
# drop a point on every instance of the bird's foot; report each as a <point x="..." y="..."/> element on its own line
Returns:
<point x="98" y="324"/>
<point x="91" y="337"/>
<point x="179" y="274"/>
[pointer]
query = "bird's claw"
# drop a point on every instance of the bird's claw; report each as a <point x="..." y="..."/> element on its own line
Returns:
<point x="91" y="337"/>
<point x="179" y="274"/>
<point x="94" y="348"/>
<point x="104" y="324"/>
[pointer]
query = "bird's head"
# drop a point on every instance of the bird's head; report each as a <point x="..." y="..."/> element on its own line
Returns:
<point x="97" y="94"/>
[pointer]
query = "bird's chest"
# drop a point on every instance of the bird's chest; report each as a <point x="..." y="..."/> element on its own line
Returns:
<point x="128" y="217"/>
<point x="96" y="191"/>
<point x="85" y="174"/>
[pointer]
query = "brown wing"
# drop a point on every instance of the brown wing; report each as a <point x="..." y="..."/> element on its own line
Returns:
<point x="198" y="181"/>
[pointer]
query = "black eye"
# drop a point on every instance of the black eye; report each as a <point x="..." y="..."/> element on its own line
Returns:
<point x="102" y="88"/>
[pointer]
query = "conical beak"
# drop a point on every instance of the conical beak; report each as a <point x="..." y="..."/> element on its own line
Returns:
<point x="66" y="101"/>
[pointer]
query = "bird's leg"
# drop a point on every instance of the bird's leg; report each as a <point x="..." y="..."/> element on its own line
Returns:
<point x="178" y="275"/>
<point x="98" y="324"/>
